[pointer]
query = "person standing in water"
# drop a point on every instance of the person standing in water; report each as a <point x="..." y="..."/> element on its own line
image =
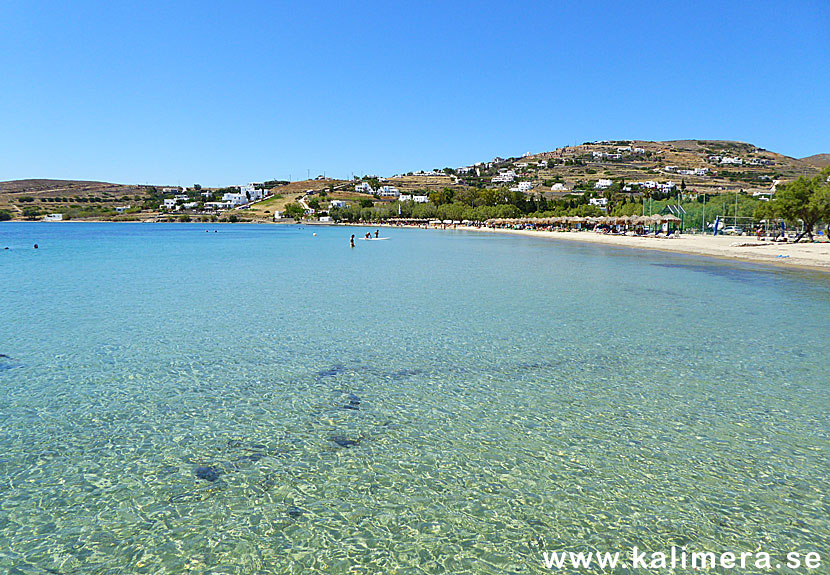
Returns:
<point x="351" y="240"/>
<point x="376" y="233"/>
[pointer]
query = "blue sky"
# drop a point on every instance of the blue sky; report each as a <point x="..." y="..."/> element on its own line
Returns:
<point x="219" y="94"/>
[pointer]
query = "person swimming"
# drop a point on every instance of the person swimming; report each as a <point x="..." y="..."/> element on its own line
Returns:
<point x="368" y="235"/>
<point x="351" y="240"/>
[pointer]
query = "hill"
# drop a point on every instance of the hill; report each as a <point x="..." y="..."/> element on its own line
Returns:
<point x="818" y="160"/>
<point x="706" y="166"/>
<point x="710" y="166"/>
<point x="58" y="195"/>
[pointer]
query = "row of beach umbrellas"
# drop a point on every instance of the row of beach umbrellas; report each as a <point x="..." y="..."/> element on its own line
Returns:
<point x="610" y="220"/>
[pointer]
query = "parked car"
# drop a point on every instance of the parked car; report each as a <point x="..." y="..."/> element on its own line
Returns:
<point x="732" y="231"/>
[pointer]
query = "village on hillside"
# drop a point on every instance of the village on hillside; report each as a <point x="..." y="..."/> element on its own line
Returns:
<point x="594" y="177"/>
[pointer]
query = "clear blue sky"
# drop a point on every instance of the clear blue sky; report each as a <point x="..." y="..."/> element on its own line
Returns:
<point x="219" y="94"/>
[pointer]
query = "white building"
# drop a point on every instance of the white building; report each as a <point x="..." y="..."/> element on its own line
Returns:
<point x="639" y="150"/>
<point x="251" y="192"/>
<point x="504" y="177"/>
<point x="732" y="161"/>
<point x="542" y="164"/>
<point x="364" y="188"/>
<point x="53" y="218"/>
<point x="420" y="199"/>
<point x="601" y="202"/>
<point x="624" y="149"/>
<point x="218" y="205"/>
<point x="602" y="184"/>
<point x="121" y="209"/>
<point x="522" y="187"/>
<point x="168" y="204"/>
<point x="388" y="192"/>
<point x="558" y="188"/>
<point x="340" y="204"/>
<point x="235" y="198"/>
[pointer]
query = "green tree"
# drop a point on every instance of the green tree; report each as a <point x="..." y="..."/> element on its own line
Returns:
<point x="294" y="210"/>
<point x="442" y="196"/>
<point x="5" y="215"/>
<point x="805" y="199"/>
<point x="366" y="203"/>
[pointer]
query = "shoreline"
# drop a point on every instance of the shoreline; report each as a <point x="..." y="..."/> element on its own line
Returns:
<point x="803" y="256"/>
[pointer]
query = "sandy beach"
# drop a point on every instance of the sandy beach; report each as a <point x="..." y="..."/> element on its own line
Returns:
<point x="814" y="256"/>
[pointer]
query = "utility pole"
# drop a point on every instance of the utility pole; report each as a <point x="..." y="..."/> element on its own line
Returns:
<point x="735" y="220"/>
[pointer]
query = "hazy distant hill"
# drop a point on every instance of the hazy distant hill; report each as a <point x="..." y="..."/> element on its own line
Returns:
<point x="60" y="195"/>
<point x="52" y="188"/>
<point x="819" y="160"/>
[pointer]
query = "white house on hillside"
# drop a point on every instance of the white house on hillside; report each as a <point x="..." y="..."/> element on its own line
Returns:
<point x="602" y="184"/>
<point x="388" y="192"/>
<point x="504" y="177"/>
<point x="364" y="188"/>
<point x="251" y="192"/>
<point x="522" y="187"/>
<point x="235" y="198"/>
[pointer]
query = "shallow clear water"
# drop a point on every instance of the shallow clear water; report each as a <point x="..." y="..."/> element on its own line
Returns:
<point x="180" y="401"/>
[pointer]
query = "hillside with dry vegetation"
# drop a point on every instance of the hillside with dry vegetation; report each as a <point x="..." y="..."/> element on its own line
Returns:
<point x="625" y="167"/>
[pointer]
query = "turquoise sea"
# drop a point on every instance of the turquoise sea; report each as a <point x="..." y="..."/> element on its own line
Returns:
<point x="255" y="399"/>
